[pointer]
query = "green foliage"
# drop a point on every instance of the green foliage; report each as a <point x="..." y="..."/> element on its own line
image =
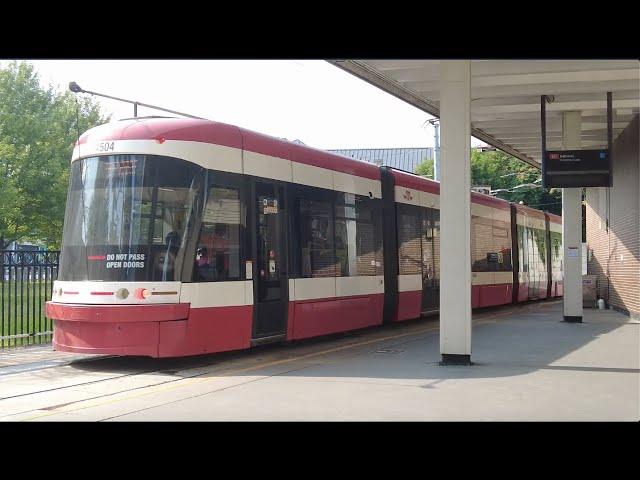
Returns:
<point x="38" y="129"/>
<point x="503" y="171"/>
<point x="425" y="168"/>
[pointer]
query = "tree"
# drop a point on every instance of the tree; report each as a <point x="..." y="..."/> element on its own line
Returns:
<point x="38" y="129"/>
<point x="504" y="172"/>
<point x="425" y="168"/>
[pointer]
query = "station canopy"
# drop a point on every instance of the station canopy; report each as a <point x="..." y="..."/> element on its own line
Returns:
<point x="505" y="97"/>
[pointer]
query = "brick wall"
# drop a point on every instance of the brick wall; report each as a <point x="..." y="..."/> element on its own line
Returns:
<point x="615" y="248"/>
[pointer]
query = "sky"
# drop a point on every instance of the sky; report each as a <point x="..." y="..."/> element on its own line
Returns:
<point x="309" y="100"/>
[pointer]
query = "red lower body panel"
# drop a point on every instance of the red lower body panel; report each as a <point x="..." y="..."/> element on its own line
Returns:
<point x="311" y="318"/>
<point x="557" y="289"/>
<point x="491" y="295"/>
<point x="127" y="338"/>
<point x="523" y="292"/>
<point x="535" y="294"/>
<point x="409" y="305"/>
<point x="207" y="330"/>
<point x="149" y="330"/>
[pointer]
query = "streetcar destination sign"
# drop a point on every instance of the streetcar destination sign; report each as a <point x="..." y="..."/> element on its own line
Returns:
<point x="577" y="168"/>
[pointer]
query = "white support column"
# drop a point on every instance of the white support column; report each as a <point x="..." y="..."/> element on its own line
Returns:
<point x="572" y="226"/>
<point x="455" y="212"/>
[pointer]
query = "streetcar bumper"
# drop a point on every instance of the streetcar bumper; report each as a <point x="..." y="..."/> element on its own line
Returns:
<point x="112" y="329"/>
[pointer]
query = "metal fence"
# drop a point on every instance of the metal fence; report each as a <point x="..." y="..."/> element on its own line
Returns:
<point x="26" y="283"/>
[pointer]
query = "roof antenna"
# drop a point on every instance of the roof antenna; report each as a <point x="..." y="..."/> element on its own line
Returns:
<point x="75" y="88"/>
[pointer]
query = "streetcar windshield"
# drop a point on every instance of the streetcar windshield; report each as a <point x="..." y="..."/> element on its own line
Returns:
<point x="128" y="218"/>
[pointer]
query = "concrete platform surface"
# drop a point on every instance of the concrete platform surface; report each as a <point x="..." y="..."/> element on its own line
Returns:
<point x="529" y="366"/>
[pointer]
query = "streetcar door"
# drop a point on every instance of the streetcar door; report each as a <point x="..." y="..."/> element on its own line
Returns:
<point x="430" y="293"/>
<point x="270" y="288"/>
<point x="533" y="265"/>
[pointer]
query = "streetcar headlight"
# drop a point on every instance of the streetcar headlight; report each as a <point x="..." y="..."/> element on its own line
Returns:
<point x="122" y="293"/>
<point x="142" y="293"/>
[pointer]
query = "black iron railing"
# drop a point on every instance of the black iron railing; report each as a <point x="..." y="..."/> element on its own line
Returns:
<point x="26" y="283"/>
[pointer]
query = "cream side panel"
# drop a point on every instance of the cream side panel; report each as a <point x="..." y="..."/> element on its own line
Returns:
<point x="215" y="294"/>
<point x="409" y="283"/>
<point x="502" y="215"/>
<point x="503" y="277"/>
<point x="406" y="195"/>
<point x="312" y="175"/>
<point x="540" y="224"/>
<point x="480" y="210"/>
<point x="536" y="223"/>
<point x="266" y="166"/>
<point x="555" y="227"/>
<point x="483" y="278"/>
<point x="430" y="200"/>
<point x="365" y="285"/>
<point x="168" y="292"/>
<point x="532" y="222"/>
<point x="207" y="155"/>
<point x="310" y="288"/>
<point x="344" y="182"/>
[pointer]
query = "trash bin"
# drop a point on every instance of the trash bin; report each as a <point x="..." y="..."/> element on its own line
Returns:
<point x="589" y="291"/>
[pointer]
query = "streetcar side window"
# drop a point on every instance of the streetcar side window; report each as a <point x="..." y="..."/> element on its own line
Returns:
<point x="502" y="245"/>
<point x="523" y="257"/>
<point x="357" y="250"/>
<point x="483" y="257"/>
<point x="409" y="239"/>
<point x="490" y="245"/>
<point x="218" y="249"/>
<point x="556" y="252"/>
<point x="317" y="238"/>
<point x="335" y="234"/>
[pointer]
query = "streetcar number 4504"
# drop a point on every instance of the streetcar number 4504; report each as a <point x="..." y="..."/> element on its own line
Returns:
<point x="106" y="146"/>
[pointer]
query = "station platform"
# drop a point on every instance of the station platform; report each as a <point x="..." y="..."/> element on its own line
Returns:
<point x="528" y="366"/>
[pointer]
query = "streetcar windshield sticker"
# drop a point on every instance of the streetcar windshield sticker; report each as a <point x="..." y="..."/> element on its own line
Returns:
<point x="269" y="206"/>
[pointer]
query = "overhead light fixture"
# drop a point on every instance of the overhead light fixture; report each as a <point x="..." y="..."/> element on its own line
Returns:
<point x="75" y="88"/>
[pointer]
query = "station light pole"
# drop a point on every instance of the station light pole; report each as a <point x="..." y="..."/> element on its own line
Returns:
<point x="436" y="136"/>
<point x="75" y="88"/>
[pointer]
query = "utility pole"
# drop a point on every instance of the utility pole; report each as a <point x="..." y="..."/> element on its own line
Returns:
<point x="436" y="136"/>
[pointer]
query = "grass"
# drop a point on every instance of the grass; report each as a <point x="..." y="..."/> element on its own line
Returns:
<point x="22" y="306"/>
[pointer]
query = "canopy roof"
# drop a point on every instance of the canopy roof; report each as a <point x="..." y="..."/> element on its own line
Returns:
<point x="505" y="97"/>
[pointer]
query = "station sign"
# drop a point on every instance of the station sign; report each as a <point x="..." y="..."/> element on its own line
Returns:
<point x="576" y="168"/>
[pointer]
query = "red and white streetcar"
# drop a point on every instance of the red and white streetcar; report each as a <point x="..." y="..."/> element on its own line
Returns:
<point x="185" y="237"/>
